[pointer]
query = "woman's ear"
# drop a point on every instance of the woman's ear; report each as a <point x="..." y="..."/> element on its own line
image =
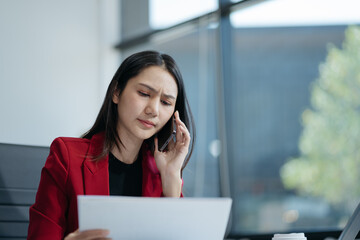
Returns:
<point x="116" y="96"/>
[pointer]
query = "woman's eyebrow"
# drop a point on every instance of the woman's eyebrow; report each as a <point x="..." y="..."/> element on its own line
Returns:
<point x="156" y="91"/>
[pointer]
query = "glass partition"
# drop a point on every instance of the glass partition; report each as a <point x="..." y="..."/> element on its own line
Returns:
<point x="291" y="106"/>
<point x="192" y="48"/>
<point x="288" y="173"/>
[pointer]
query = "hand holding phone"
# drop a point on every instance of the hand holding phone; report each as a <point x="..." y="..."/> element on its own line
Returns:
<point x="167" y="134"/>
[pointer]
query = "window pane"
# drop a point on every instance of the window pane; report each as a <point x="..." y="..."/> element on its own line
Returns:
<point x="166" y="13"/>
<point x="288" y="171"/>
<point x="192" y="48"/>
<point x="298" y="13"/>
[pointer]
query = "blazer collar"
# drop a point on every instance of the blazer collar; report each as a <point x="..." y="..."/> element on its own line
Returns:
<point x="96" y="173"/>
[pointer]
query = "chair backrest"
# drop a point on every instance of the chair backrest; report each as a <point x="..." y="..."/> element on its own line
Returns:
<point x="20" y="169"/>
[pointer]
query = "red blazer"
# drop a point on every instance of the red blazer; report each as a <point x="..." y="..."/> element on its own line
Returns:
<point x="69" y="171"/>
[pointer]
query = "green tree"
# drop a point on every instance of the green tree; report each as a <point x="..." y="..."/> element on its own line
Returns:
<point x="329" y="161"/>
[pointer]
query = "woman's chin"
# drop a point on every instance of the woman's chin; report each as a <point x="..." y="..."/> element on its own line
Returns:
<point x="146" y="136"/>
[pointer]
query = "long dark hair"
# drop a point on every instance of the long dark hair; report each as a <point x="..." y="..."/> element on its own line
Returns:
<point x="107" y="118"/>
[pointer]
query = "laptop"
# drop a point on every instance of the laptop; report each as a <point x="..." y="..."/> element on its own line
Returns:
<point x="352" y="227"/>
<point x="135" y="218"/>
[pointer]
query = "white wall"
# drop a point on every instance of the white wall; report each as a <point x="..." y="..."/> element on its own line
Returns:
<point x="56" y="60"/>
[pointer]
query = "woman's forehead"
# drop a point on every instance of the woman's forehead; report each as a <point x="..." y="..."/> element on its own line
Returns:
<point x="156" y="78"/>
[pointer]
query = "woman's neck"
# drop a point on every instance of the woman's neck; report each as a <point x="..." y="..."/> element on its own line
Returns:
<point x="129" y="149"/>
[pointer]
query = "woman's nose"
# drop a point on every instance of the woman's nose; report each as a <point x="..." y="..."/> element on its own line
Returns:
<point x="152" y="108"/>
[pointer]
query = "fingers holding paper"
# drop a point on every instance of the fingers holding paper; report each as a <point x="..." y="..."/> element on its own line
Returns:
<point x="98" y="234"/>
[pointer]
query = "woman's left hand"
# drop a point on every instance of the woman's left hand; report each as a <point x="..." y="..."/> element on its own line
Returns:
<point x="170" y="162"/>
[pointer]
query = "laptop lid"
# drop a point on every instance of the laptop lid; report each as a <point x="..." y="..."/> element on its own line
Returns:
<point x="352" y="227"/>
<point x="134" y="218"/>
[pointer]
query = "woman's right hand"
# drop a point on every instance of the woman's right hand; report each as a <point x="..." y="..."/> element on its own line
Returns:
<point x="98" y="234"/>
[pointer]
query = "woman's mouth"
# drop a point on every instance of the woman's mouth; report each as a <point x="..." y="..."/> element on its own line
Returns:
<point x="147" y="124"/>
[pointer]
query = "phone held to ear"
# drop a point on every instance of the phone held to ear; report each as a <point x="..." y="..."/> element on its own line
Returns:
<point x="166" y="134"/>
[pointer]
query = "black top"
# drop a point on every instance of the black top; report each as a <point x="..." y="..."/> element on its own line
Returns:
<point x="125" y="179"/>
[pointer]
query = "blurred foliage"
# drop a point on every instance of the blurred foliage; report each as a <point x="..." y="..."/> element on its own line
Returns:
<point x="329" y="162"/>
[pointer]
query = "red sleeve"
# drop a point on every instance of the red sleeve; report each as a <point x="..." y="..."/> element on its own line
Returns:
<point x="47" y="215"/>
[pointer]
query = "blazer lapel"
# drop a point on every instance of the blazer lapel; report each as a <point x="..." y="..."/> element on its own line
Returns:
<point x="152" y="186"/>
<point x="96" y="173"/>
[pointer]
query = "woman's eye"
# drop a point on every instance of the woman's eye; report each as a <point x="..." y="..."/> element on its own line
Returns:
<point x="165" y="102"/>
<point x="144" y="94"/>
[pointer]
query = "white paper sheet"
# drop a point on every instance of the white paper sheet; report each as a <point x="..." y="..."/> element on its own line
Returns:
<point x="135" y="218"/>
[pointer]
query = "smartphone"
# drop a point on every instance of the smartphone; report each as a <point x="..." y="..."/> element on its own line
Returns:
<point x="166" y="134"/>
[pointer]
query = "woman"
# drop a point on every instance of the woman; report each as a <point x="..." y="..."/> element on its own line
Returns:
<point x="119" y="155"/>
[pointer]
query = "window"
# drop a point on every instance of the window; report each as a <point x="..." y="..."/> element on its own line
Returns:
<point x="273" y="55"/>
<point x="192" y="47"/>
<point x="275" y="63"/>
<point x="165" y="13"/>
